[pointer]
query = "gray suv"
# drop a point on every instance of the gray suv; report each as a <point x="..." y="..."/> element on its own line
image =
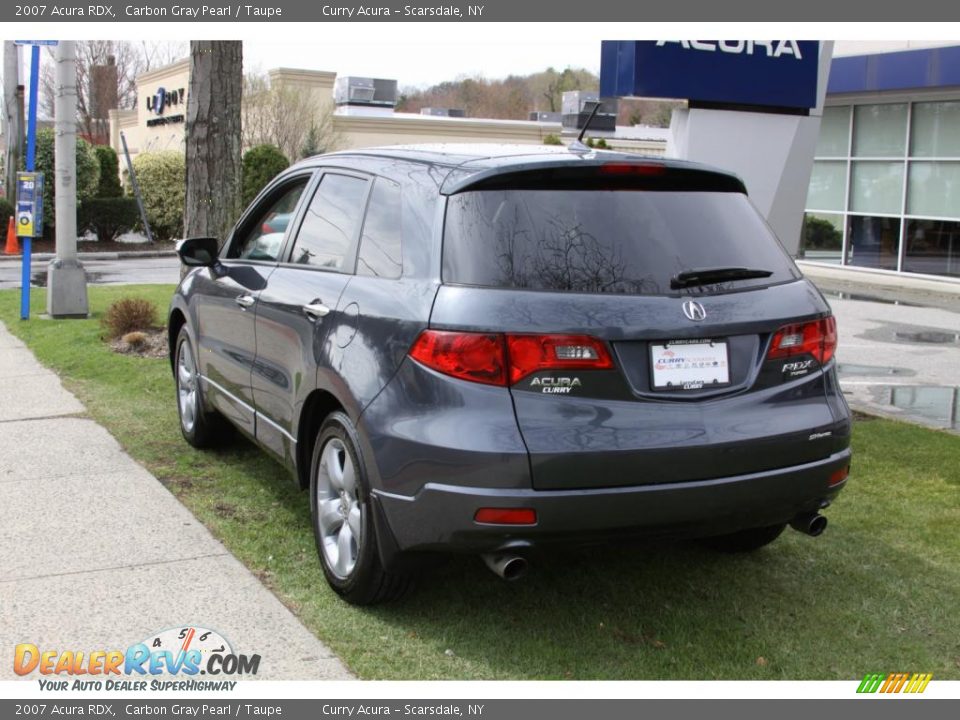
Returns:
<point x="493" y="349"/>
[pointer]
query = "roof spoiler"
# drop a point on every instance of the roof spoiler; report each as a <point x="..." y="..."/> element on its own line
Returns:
<point x="595" y="173"/>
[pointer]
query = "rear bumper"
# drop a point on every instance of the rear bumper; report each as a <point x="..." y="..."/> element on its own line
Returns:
<point x="440" y="517"/>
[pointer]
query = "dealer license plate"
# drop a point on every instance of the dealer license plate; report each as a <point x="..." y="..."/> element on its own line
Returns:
<point x="690" y="364"/>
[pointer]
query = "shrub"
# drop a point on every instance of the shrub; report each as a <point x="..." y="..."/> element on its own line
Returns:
<point x="129" y="315"/>
<point x="88" y="173"/>
<point x="108" y="217"/>
<point x="552" y="139"/>
<point x="109" y="183"/>
<point x="261" y="164"/>
<point x="162" y="180"/>
<point x="6" y="210"/>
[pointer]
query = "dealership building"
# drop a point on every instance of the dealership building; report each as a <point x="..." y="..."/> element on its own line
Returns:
<point x="885" y="188"/>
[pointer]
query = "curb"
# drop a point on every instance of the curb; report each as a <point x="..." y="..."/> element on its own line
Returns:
<point x="126" y="255"/>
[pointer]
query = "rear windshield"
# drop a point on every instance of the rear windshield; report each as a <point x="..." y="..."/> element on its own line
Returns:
<point x="606" y="241"/>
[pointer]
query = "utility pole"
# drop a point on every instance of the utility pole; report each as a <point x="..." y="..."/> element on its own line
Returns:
<point x="12" y="118"/>
<point x="66" y="278"/>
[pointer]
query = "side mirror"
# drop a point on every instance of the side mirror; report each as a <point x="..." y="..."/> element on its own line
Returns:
<point x="199" y="251"/>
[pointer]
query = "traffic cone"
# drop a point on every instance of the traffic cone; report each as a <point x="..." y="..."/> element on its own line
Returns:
<point x="13" y="247"/>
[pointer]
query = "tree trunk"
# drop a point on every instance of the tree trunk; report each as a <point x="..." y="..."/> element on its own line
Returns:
<point x="213" y="138"/>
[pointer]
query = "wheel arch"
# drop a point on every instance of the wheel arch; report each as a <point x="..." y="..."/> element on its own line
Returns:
<point x="318" y="405"/>
<point x="176" y="321"/>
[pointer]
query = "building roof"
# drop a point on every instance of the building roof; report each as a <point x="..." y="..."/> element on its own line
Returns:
<point x="924" y="69"/>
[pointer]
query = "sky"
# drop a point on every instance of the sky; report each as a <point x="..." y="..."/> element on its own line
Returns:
<point x="494" y="51"/>
<point x="423" y="54"/>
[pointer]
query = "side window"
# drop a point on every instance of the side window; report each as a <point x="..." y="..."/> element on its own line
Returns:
<point x="380" y="254"/>
<point x="331" y="223"/>
<point x="261" y="238"/>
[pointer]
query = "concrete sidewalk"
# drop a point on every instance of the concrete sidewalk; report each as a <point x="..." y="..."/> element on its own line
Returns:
<point x="95" y="554"/>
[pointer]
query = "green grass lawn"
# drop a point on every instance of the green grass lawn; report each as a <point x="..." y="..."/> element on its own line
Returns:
<point x="877" y="593"/>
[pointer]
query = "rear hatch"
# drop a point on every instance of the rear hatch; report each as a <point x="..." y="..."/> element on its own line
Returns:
<point x="653" y="328"/>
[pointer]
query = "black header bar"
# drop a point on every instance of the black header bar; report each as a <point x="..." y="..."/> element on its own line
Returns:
<point x="31" y="13"/>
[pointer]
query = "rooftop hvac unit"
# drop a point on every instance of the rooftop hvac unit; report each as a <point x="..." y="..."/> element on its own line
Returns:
<point x="443" y="112"/>
<point x="351" y="90"/>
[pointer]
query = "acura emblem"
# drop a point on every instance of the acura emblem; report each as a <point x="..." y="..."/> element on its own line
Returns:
<point x="694" y="310"/>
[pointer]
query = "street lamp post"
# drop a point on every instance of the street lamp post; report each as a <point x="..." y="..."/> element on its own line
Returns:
<point x="66" y="278"/>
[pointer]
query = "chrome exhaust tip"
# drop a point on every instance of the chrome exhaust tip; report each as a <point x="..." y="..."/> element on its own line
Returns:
<point x="812" y="524"/>
<point x="506" y="565"/>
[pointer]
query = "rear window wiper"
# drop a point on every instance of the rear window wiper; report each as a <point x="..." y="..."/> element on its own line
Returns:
<point x="708" y="276"/>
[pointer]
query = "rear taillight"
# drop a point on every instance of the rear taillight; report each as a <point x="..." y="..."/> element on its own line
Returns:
<point x="531" y="353"/>
<point x="817" y="338"/>
<point x="497" y="359"/>
<point x="469" y="356"/>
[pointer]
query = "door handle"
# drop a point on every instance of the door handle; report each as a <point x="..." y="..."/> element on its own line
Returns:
<point x="316" y="310"/>
<point x="245" y="301"/>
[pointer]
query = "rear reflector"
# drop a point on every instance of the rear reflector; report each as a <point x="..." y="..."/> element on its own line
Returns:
<point x="496" y="359"/>
<point x="506" y="516"/>
<point x="838" y="476"/>
<point x="817" y="338"/>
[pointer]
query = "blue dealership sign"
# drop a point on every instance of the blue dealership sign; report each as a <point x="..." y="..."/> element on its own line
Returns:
<point x="770" y="74"/>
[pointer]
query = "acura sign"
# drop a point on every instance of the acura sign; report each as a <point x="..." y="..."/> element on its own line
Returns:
<point x="774" y="74"/>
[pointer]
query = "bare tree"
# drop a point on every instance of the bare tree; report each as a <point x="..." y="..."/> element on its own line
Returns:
<point x="213" y="137"/>
<point x="294" y="120"/>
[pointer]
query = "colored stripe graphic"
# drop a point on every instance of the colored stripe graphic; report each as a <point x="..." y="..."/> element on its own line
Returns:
<point x="894" y="683"/>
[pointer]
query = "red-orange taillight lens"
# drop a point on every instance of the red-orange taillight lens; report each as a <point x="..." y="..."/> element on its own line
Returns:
<point x="479" y="357"/>
<point x="532" y="353"/>
<point x="817" y="338"/>
<point x="497" y="359"/>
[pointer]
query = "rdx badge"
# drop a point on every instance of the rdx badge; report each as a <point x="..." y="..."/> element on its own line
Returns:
<point x="557" y="386"/>
<point x="801" y="367"/>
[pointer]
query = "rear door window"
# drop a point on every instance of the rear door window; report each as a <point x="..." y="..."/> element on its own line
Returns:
<point x="380" y="250"/>
<point x="327" y="235"/>
<point x="606" y="241"/>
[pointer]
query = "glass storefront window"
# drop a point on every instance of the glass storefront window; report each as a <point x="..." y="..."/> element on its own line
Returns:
<point x="821" y="238"/>
<point x="935" y="130"/>
<point x="876" y="187"/>
<point x="934" y="189"/>
<point x="873" y="242"/>
<point x="933" y="247"/>
<point x="828" y="185"/>
<point x="899" y="180"/>
<point x="834" y="139"/>
<point x="880" y="130"/>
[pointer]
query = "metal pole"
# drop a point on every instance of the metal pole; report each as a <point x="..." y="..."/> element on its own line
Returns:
<point x="66" y="278"/>
<point x="136" y="187"/>
<point x="31" y="157"/>
<point x="13" y="117"/>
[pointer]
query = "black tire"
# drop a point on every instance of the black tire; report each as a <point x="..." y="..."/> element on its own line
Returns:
<point x="206" y="429"/>
<point x="744" y="540"/>
<point x="356" y="575"/>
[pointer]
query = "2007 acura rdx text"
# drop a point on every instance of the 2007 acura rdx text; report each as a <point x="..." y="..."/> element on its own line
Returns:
<point x="490" y="349"/>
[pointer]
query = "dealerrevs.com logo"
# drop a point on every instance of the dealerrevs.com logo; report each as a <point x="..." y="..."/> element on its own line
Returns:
<point x="154" y="663"/>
